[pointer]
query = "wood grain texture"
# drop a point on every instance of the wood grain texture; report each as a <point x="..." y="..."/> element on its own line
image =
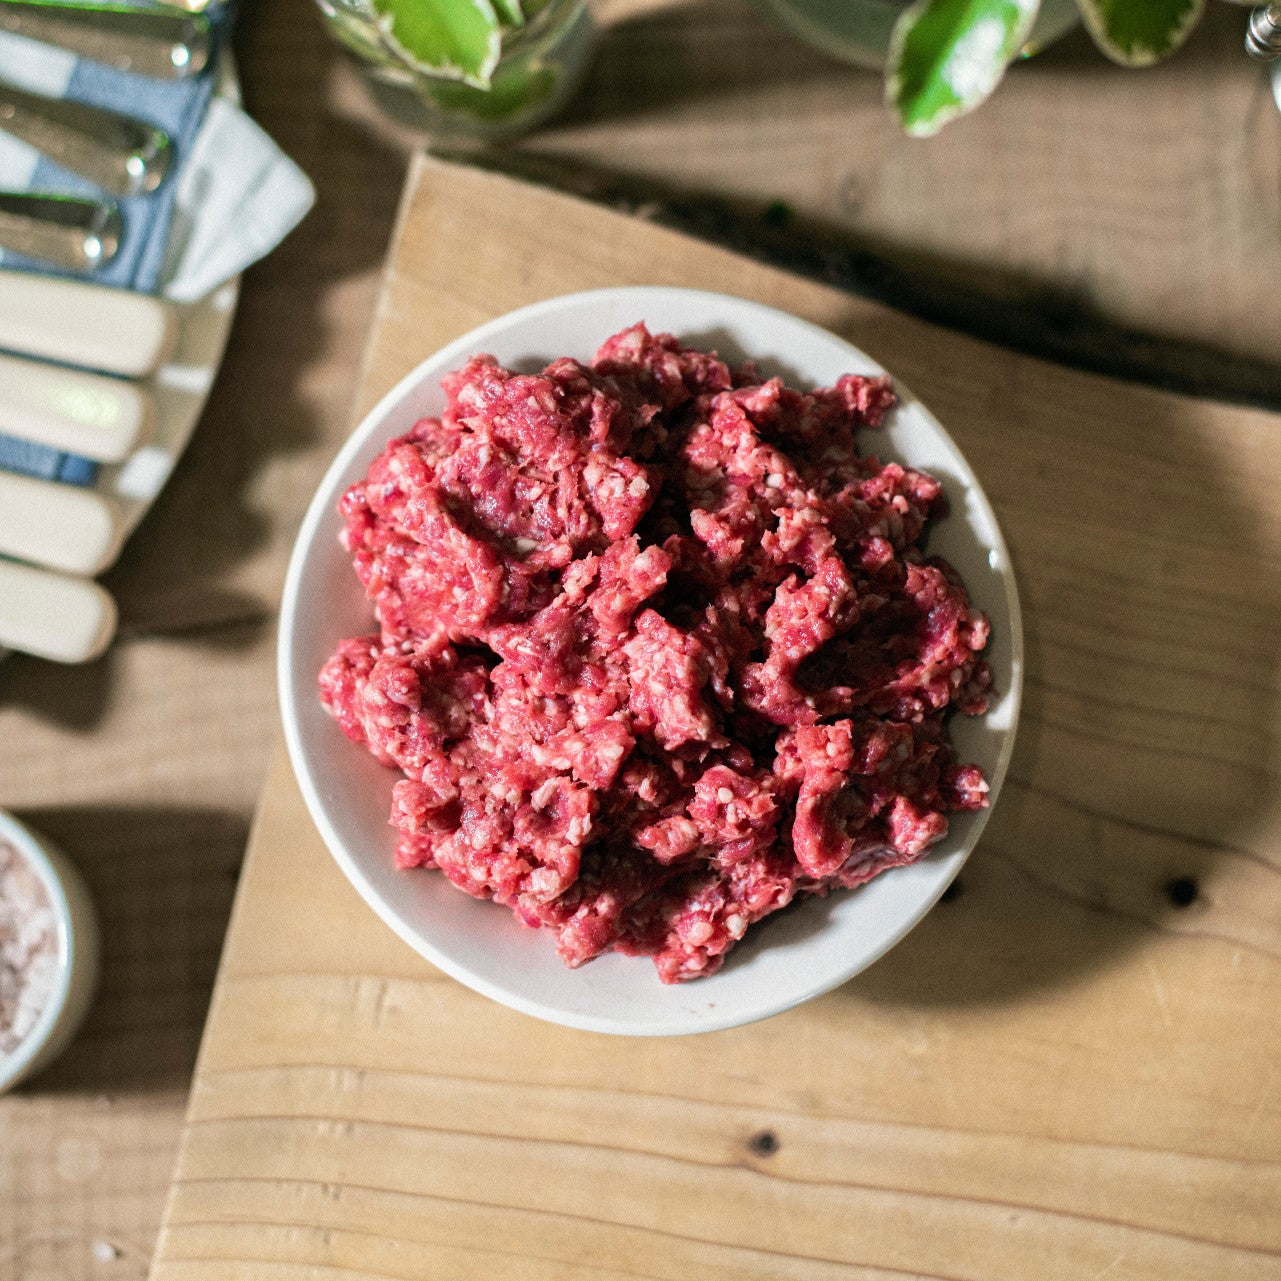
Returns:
<point x="1153" y="197"/>
<point x="1156" y="195"/>
<point x="1061" y="1073"/>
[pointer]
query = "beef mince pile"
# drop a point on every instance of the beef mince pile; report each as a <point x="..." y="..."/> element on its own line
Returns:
<point x="659" y="651"/>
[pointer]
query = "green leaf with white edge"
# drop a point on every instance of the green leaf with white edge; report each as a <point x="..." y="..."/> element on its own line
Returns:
<point x="1137" y="33"/>
<point x="946" y="56"/>
<point x="516" y="91"/>
<point x="454" y="39"/>
<point x="510" y="13"/>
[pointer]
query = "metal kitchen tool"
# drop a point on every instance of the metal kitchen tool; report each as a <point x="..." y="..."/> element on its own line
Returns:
<point x="1263" y="32"/>
<point x="66" y="231"/>
<point x="152" y="40"/>
<point x="124" y="156"/>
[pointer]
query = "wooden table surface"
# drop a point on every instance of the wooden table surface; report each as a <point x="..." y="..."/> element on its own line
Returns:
<point x="1154" y="195"/>
<point x="1067" y="1069"/>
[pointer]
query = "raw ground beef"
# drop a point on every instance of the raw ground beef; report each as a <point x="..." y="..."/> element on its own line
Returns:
<point x="657" y="650"/>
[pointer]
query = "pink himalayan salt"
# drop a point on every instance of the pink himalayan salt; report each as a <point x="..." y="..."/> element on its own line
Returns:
<point x="28" y="948"/>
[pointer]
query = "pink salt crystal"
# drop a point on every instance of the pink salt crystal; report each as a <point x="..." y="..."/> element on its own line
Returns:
<point x="28" y="948"/>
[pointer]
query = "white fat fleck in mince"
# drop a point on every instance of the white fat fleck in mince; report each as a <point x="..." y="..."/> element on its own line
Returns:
<point x="542" y="795"/>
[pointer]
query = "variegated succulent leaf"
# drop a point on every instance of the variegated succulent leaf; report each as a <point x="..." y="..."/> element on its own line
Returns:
<point x="1137" y="33"/>
<point x="947" y="56"/>
<point x="452" y="39"/>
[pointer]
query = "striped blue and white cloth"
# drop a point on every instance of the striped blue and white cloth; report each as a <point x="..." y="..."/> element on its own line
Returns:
<point x="178" y="107"/>
<point x="236" y="193"/>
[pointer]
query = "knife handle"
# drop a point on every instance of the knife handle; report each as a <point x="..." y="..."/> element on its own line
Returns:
<point x="89" y="415"/>
<point x="67" y="620"/>
<point x="160" y="40"/>
<point x="57" y="526"/>
<point x="92" y="326"/>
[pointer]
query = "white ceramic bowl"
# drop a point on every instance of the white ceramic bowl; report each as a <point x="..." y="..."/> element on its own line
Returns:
<point x="801" y="953"/>
<point x="78" y="953"/>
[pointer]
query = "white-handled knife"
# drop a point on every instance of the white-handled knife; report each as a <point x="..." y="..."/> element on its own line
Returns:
<point x="91" y="326"/>
<point x="57" y="526"/>
<point x="54" y="616"/>
<point x="90" y="415"/>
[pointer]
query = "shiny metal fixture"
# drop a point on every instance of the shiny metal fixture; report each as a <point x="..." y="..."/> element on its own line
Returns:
<point x="158" y="40"/>
<point x="65" y="231"/>
<point x="1263" y="32"/>
<point x="124" y="156"/>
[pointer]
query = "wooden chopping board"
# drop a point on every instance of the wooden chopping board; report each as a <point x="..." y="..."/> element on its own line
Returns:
<point x="1071" y="1069"/>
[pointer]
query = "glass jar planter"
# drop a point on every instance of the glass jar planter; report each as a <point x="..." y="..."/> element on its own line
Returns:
<point x="541" y="65"/>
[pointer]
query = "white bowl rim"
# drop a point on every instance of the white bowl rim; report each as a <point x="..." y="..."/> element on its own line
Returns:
<point x="33" y="848"/>
<point x="452" y="355"/>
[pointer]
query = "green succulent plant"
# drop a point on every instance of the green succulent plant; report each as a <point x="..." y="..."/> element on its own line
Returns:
<point x="449" y="40"/>
<point x="451" y="53"/>
<point x="947" y="56"/>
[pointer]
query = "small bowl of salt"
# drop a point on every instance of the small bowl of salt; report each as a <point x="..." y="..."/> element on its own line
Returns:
<point x="48" y="952"/>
